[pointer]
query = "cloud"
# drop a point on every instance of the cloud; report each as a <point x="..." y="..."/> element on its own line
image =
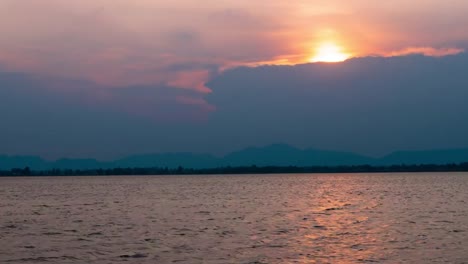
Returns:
<point x="428" y="51"/>
<point x="371" y="105"/>
<point x="123" y="42"/>
<point x="147" y="64"/>
<point x="56" y="117"/>
<point x="192" y="80"/>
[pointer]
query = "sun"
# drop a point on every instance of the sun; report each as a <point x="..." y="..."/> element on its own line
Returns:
<point x="329" y="52"/>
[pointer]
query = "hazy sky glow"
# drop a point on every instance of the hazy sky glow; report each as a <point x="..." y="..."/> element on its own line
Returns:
<point x="181" y="43"/>
<point x="151" y="60"/>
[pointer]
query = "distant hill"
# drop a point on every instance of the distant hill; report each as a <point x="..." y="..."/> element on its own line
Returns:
<point x="10" y="162"/>
<point x="425" y="157"/>
<point x="170" y="160"/>
<point x="273" y="155"/>
<point x="284" y="155"/>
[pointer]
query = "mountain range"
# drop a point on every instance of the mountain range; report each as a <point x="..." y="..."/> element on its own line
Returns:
<point x="273" y="155"/>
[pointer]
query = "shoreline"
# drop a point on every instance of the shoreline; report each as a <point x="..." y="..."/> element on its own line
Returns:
<point x="24" y="172"/>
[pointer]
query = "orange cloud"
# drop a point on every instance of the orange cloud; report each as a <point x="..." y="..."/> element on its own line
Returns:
<point x="428" y="51"/>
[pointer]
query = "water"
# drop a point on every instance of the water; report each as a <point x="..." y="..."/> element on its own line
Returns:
<point x="336" y="218"/>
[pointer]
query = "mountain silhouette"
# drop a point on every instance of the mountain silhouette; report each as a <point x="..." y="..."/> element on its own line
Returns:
<point x="285" y="155"/>
<point x="272" y="155"/>
<point x="438" y="157"/>
<point x="170" y="160"/>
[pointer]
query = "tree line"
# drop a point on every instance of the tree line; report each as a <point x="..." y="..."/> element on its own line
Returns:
<point x="461" y="167"/>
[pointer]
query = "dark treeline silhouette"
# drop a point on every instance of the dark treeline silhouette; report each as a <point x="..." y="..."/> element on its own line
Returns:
<point x="462" y="167"/>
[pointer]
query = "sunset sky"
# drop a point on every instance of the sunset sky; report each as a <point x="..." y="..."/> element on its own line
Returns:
<point x="147" y="64"/>
<point x="180" y="43"/>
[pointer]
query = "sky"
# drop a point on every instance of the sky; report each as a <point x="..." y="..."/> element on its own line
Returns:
<point x="108" y="78"/>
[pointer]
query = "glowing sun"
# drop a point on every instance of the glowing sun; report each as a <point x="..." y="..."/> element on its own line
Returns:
<point x="329" y="52"/>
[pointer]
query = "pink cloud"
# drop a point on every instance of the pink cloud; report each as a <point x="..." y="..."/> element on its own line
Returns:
<point x="191" y="80"/>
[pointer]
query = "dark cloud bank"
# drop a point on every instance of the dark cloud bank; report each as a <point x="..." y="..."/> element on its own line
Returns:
<point x="371" y="106"/>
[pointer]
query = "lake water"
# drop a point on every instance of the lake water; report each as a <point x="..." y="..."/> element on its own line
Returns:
<point x="334" y="218"/>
